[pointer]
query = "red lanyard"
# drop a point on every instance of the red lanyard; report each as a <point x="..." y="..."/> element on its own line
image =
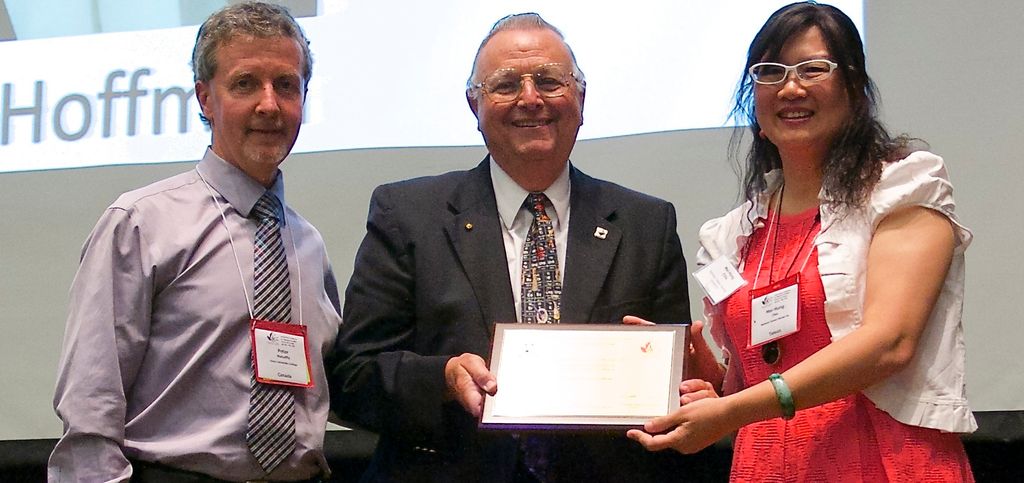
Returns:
<point x="774" y="220"/>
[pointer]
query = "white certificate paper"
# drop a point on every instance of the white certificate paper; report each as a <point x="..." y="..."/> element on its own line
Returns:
<point x="579" y="376"/>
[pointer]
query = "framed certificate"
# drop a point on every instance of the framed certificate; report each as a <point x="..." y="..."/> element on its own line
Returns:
<point x="584" y="376"/>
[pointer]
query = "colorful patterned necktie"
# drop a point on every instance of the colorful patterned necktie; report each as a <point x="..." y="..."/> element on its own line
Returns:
<point x="271" y="432"/>
<point x="541" y="300"/>
<point x="542" y="289"/>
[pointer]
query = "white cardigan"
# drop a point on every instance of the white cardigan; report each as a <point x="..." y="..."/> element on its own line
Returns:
<point x="930" y="391"/>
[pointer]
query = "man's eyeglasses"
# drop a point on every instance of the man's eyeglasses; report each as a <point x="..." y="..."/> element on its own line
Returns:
<point x="506" y="85"/>
<point x="769" y="73"/>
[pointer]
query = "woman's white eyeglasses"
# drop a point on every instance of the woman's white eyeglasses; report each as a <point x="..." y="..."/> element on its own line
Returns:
<point x="770" y="73"/>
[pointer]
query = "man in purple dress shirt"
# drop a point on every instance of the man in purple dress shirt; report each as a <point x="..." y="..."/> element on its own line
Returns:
<point x="155" y="375"/>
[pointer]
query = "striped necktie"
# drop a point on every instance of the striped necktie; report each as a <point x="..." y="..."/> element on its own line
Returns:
<point x="271" y="431"/>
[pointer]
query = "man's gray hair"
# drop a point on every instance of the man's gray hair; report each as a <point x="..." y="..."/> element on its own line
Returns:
<point x="525" y="21"/>
<point x="256" y="19"/>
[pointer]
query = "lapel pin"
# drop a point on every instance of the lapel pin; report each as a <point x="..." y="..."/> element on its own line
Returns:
<point x="469" y="226"/>
<point x="600" y="233"/>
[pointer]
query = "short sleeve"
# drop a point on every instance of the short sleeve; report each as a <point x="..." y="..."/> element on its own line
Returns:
<point x="920" y="179"/>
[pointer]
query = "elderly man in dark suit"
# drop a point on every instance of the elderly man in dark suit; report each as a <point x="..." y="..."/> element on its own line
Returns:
<point x="446" y="257"/>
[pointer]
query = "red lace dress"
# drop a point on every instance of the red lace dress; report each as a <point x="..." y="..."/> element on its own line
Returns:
<point x="848" y="440"/>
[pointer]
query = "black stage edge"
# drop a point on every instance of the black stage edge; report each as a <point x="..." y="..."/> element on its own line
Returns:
<point x="995" y="451"/>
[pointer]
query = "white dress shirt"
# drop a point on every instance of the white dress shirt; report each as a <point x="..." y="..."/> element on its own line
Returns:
<point x="516" y="220"/>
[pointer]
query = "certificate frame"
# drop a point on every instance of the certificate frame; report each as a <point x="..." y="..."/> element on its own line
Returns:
<point x="584" y="377"/>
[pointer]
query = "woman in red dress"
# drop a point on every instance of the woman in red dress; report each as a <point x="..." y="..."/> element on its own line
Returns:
<point x="844" y="351"/>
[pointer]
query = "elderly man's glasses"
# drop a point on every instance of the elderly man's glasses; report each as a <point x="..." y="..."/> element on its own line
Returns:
<point x="769" y="73"/>
<point x="506" y="85"/>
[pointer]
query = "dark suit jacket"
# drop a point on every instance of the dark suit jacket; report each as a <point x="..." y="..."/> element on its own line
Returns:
<point x="429" y="282"/>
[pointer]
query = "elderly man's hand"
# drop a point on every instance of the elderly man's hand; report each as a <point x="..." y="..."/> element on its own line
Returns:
<point x="468" y="379"/>
<point x="634" y="320"/>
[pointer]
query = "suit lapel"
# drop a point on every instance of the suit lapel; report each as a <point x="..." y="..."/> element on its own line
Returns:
<point x="593" y="242"/>
<point x="475" y="235"/>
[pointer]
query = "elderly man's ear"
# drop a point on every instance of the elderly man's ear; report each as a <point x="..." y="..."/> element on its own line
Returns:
<point x="473" y="103"/>
<point x="583" y="97"/>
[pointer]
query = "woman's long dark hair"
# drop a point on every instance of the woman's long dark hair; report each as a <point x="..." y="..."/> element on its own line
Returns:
<point x="853" y="164"/>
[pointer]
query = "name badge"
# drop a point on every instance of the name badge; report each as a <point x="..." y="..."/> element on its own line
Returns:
<point x="773" y="311"/>
<point x="719" y="279"/>
<point x="280" y="353"/>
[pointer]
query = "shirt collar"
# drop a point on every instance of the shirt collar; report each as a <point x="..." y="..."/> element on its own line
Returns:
<point x="237" y="188"/>
<point x="510" y="196"/>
